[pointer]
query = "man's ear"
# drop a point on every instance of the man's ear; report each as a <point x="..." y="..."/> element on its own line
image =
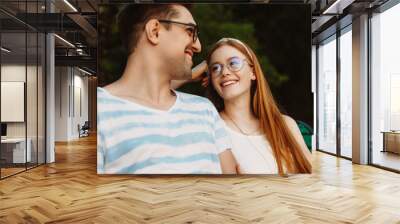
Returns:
<point x="152" y="31"/>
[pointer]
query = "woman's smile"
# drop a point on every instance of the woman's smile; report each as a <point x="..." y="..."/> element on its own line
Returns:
<point x="228" y="82"/>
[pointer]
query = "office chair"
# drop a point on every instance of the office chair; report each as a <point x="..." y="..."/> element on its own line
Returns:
<point x="84" y="130"/>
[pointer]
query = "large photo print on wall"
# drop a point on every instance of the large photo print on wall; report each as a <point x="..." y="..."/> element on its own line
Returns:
<point x="204" y="89"/>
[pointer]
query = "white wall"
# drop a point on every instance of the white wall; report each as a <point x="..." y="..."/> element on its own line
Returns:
<point x="12" y="73"/>
<point x="71" y="94"/>
<point x="33" y="126"/>
<point x="62" y="81"/>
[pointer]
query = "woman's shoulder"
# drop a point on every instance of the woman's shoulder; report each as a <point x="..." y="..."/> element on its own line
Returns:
<point x="293" y="127"/>
<point x="290" y="122"/>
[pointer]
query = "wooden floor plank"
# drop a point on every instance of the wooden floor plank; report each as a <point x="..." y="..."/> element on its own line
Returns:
<point x="70" y="191"/>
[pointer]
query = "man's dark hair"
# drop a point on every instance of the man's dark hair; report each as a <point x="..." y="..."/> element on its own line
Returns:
<point x="133" y="17"/>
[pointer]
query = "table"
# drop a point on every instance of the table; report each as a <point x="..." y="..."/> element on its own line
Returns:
<point x="391" y="141"/>
<point x="16" y="147"/>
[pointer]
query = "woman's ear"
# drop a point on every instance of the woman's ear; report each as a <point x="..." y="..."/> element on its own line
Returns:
<point x="152" y="31"/>
<point x="253" y="76"/>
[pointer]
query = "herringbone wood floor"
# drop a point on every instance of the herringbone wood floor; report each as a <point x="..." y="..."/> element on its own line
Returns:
<point x="70" y="191"/>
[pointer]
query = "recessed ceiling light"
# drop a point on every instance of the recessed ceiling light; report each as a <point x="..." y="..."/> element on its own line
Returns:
<point x="5" y="50"/>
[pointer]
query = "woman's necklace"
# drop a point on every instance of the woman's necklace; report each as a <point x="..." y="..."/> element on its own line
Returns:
<point x="237" y="126"/>
<point x="247" y="137"/>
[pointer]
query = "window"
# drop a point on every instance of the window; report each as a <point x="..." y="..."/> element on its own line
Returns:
<point x="346" y="93"/>
<point x="327" y="95"/>
<point x="385" y="88"/>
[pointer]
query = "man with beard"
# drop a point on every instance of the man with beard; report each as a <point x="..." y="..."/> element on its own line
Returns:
<point x="145" y="127"/>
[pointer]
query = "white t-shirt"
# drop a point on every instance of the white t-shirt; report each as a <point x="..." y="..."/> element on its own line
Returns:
<point x="253" y="153"/>
<point x="135" y="139"/>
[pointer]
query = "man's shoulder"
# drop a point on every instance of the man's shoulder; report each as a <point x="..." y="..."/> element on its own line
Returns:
<point x="105" y="98"/>
<point x="101" y="92"/>
<point x="198" y="104"/>
<point x="191" y="98"/>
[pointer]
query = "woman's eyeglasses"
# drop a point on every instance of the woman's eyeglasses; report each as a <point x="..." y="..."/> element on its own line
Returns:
<point x="234" y="64"/>
<point x="193" y="29"/>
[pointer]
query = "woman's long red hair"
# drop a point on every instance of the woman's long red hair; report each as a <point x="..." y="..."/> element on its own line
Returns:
<point x="287" y="151"/>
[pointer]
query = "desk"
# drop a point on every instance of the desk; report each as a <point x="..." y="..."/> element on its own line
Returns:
<point x="16" y="147"/>
<point x="391" y="141"/>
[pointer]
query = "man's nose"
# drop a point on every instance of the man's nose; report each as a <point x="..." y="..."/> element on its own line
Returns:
<point x="196" y="46"/>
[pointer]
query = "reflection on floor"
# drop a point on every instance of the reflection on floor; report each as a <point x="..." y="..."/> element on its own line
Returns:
<point x="10" y="169"/>
<point x="387" y="159"/>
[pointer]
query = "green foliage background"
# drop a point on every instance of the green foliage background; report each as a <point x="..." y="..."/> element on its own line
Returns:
<point x="280" y="35"/>
<point x="215" y="20"/>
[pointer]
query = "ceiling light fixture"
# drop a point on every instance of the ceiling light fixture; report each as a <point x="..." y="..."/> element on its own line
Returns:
<point x="64" y="40"/>
<point x="70" y="5"/>
<point x="84" y="71"/>
<point x="337" y="7"/>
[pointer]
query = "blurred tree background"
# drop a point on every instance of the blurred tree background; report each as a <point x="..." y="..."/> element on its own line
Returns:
<point x="280" y="35"/>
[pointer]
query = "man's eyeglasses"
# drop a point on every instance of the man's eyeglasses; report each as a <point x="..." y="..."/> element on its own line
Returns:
<point x="193" y="29"/>
<point x="235" y="64"/>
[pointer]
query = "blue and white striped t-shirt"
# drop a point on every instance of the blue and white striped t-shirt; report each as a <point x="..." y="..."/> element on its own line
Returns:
<point x="135" y="139"/>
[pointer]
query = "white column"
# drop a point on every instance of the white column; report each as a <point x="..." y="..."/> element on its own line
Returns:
<point x="360" y="90"/>
<point x="50" y="93"/>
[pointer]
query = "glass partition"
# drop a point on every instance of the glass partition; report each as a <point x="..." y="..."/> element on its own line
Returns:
<point x="327" y="95"/>
<point x="22" y="91"/>
<point x="13" y="105"/>
<point x="41" y="91"/>
<point x="346" y="93"/>
<point x="31" y="98"/>
<point x="385" y="89"/>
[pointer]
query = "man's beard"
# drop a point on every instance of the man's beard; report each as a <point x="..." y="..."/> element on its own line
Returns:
<point x="181" y="70"/>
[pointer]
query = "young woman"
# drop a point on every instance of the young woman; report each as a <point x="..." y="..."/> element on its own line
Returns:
<point x="264" y="140"/>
